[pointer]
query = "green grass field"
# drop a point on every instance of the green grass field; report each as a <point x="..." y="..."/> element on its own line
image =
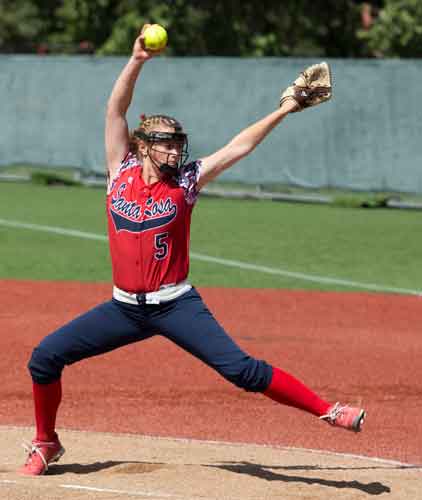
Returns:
<point x="379" y="246"/>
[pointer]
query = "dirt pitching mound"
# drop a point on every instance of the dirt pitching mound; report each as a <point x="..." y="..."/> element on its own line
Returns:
<point x="110" y="466"/>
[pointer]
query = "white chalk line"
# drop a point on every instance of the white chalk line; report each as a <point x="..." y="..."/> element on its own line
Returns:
<point x="120" y="492"/>
<point x="139" y="493"/>
<point x="382" y="461"/>
<point x="78" y="487"/>
<point x="225" y="262"/>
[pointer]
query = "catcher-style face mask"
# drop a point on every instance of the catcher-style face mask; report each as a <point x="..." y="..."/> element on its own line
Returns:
<point x="155" y="140"/>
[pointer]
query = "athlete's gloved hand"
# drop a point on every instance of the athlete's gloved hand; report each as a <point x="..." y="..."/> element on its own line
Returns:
<point x="312" y="87"/>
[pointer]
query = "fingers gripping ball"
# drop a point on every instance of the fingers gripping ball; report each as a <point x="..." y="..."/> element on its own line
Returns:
<point x="312" y="87"/>
<point x="155" y="37"/>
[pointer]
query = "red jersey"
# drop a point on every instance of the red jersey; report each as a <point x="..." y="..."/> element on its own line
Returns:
<point x="149" y="226"/>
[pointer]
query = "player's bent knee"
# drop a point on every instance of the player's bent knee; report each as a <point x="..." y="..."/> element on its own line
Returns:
<point x="44" y="367"/>
<point x="252" y="375"/>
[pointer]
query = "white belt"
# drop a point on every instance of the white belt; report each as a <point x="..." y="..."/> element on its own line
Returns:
<point x="164" y="294"/>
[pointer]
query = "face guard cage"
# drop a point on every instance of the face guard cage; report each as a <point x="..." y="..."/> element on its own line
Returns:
<point x="155" y="137"/>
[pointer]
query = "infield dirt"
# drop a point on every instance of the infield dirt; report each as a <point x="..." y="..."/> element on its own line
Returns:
<point x="361" y="348"/>
<point x="109" y="466"/>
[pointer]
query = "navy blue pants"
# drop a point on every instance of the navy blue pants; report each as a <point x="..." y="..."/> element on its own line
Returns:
<point x="185" y="321"/>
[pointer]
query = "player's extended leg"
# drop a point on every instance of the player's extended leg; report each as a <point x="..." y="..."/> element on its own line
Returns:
<point x="191" y="325"/>
<point x="102" y="329"/>
<point x="286" y="389"/>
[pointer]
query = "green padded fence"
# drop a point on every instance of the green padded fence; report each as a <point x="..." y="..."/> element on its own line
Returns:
<point x="367" y="138"/>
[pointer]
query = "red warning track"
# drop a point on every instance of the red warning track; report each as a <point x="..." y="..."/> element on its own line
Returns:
<point x="358" y="348"/>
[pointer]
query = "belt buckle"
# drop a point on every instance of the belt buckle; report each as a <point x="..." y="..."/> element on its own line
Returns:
<point x="141" y="298"/>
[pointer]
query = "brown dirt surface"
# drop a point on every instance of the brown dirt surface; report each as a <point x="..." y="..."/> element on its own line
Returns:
<point x="359" y="348"/>
<point x="112" y="466"/>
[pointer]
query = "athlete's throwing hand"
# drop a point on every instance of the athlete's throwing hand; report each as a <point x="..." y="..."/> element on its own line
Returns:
<point x="139" y="51"/>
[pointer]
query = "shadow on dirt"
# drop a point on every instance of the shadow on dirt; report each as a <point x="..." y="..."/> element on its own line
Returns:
<point x="266" y="472"/>
<point x="114" y="467"/>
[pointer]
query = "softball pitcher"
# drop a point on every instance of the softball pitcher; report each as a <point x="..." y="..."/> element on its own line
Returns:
<point x="151" y="193"/>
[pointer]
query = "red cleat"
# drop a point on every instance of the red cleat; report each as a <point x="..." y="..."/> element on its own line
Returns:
<point x="346" y="417"/>
<point x="40" y="454"/>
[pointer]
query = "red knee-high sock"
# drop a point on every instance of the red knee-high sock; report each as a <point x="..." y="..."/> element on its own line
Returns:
<point x="286" y="389"/>
<point x="47" y="399"/>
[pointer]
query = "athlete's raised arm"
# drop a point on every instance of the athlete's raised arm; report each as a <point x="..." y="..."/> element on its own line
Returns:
<point x="116" y="127"/>
<point x="312" y="87"/>
<point x="242" y="144"/>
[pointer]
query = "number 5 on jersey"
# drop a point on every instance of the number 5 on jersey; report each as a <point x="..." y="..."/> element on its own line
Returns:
<point x="161" y="246"/>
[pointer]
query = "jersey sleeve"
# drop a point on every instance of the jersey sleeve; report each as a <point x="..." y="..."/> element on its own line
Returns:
<point x="130" y="160"/>
<point x="188" y="180"/>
